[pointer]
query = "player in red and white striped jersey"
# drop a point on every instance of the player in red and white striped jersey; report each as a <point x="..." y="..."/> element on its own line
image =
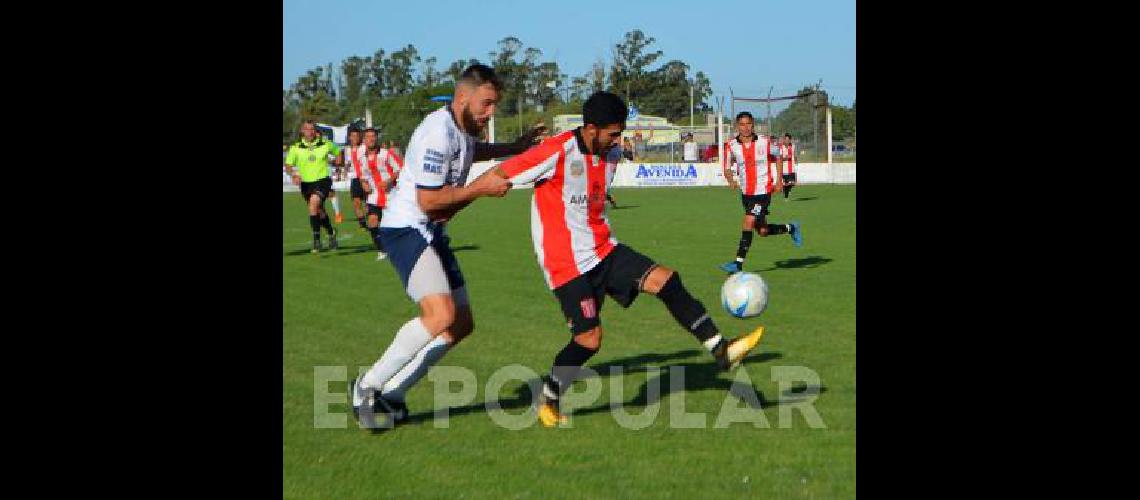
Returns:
<point x="747" y="154"/>
<point x="353" y="162"/>
<point x="788" y="157"/>
<point x="380" y="170"/>
<point x="579" y="257"/>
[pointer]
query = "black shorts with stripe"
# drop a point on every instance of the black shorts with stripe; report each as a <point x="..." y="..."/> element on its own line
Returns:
<point x="619" y="275"/>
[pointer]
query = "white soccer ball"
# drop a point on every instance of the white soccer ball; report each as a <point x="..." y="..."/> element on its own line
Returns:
<point x="744" y="295"/>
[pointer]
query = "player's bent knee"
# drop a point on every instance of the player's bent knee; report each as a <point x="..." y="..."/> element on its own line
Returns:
<point x="657" y="279"/>
<point x="590" y="339"/>
<point x="437" y="312"/>
<point x="462" y="327"/>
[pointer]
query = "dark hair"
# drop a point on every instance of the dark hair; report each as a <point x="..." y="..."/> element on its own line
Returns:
<point x="354" y="129"/>
<point x="742" y="114"/>
<point x="604" y="108"/>
<point x="789" y="136"/>
<point x="478" y="74"/>
<point x="371" y="129"/>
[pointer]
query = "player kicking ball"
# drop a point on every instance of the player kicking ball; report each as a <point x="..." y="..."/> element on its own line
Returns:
<point x="581" y="260"/>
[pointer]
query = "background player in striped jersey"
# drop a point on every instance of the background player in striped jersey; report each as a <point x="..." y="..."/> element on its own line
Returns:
<point x="747" y="154"/>
<point x="431" y="190"/>
<point x="380" y="170"/>
<point x="310" y="156"/>
<point x="354" y="166"/>
<point x="788" y="159"/>
<point x="580" y="259"/>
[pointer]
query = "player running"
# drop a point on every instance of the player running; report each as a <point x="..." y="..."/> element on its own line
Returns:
<point x="380" y="173"/>
<point x="354" y="165"/>
<point x="580" y="259"/>
<point x="788" y="158"/>
<point x="429" y="192"/>
<point x="745" y="154"/>
<point x="310" y="156"/>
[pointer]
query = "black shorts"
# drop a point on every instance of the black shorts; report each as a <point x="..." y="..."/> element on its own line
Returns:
<point x="619" y="275"/>
<point x="356" y="189"/>
<point x="755" y="205"/>
<point x="375" y="210"/>
<point x="789" y="178"/>
<point x="322" y="187"/>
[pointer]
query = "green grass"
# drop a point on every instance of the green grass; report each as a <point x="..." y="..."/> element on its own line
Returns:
<point x="342" y="309"/>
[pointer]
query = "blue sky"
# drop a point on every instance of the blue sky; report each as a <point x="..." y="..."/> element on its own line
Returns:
<point x="747" y="46"/>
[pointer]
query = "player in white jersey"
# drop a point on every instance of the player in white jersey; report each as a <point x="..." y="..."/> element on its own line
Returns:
<point x="748" y="155"/>
<point x="429" y="191"/>
<point x="579" y="257"/>
<point x="380" y="170"/>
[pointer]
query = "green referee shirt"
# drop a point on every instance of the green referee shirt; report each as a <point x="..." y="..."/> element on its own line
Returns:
<point x="311" y="159"/>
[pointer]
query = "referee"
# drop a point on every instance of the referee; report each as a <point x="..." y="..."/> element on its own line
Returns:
<point x="310" y="156"/>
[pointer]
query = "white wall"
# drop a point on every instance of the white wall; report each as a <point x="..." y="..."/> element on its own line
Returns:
<point x="675" y="174"/>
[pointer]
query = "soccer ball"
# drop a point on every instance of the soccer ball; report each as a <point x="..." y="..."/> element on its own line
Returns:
<point x="744" y="295"/>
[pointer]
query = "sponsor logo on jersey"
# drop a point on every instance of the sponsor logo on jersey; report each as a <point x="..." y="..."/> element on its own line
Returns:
<point x="577" y="168"/>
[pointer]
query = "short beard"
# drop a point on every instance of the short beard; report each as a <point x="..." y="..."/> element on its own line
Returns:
<point x="472" y="127"/>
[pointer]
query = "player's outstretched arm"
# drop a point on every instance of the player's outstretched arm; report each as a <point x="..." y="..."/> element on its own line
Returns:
<point x="488" y="151"/>
<point x="449" y="197"/>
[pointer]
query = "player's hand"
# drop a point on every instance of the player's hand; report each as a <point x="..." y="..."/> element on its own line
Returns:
<point x="366" y="186"/>
<point x="296" y="180"/>
<point x="490" y="184"/>
<point x="734" y="185"/>
<point x="534" y="136"/>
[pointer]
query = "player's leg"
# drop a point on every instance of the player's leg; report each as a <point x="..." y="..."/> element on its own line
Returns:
<point x="374" y="213"/>
<point x="789" y="182"/>
<point x="358" y="203"/>
<point x="336" y="205"/>
<point x="426" y="283"/>
<point x="394" y="390"/>
<point x="313" y="200"/>
<point x="581" y="304"/>
<point x="324" y="189"/>
<point x="748" y="223"/>
<point x="690" y="313"/>
<point x="765" y="229"/>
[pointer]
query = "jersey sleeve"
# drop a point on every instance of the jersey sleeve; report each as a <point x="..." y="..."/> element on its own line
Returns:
<point x="291" y="156"/>
<point x="395" y="163"/>
<point x="428" y="157"/>
<point x="536" y="163"/>
<point x="333" y="148"/>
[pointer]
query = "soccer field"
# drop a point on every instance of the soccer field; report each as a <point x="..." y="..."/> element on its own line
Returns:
<point x="342" y="308"/>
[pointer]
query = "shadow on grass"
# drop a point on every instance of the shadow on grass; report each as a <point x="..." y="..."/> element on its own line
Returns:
<point x="698" y="375"/>
<point x="804" y="262"/>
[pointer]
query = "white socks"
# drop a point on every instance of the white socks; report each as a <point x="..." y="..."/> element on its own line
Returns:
<point x="409" y="340"/>
<point x="415" y="370"/>
<point x="336" y="205"/>
<point x="711" y="343"/>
